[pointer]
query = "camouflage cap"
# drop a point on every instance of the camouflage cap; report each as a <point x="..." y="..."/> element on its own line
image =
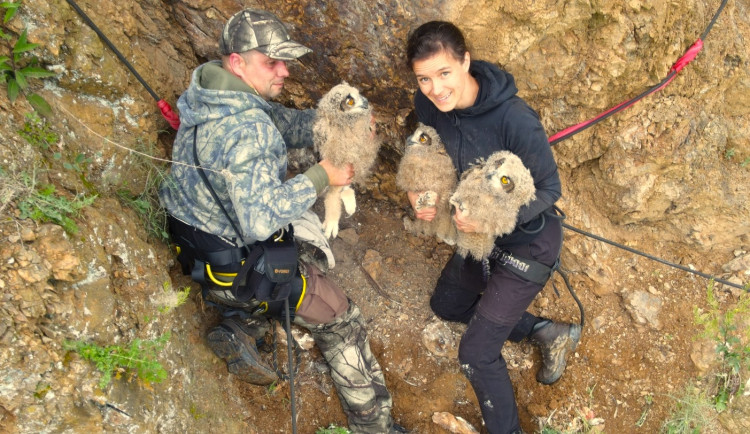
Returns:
<point x="253" y="29"/>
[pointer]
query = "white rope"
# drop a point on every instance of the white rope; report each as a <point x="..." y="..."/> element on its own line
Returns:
<point x="223" y="172"/>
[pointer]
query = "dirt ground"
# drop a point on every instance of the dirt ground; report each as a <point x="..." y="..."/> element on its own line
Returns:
<point x="622" y="377"/>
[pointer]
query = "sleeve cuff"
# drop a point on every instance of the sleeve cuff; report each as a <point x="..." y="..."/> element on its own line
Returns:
<point x="318" y="176"/>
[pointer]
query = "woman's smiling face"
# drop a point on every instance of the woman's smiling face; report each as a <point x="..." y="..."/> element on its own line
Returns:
<point x="446" y="81"/>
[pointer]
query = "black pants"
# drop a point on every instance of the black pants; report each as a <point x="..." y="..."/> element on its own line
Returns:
<point x="495" y="311"/>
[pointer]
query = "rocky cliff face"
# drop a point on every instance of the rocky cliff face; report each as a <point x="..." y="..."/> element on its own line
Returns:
<point x="669" y="176"/>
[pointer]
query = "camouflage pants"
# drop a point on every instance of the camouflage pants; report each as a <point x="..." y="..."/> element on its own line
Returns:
<point x="355" y="372"/>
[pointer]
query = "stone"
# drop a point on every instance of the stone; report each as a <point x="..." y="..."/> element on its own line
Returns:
<point x="454" y="424"/>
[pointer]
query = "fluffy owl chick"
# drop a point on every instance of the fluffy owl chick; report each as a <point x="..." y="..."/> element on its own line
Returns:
<point x="491" y="194"/>
<point x="343" y="134"/>
<point x="427" y="168"/>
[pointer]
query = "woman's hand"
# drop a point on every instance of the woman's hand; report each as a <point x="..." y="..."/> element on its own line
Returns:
<point x="464" y="223"/>
<point x="338" y="176"/>
<point x="421" y="213"/>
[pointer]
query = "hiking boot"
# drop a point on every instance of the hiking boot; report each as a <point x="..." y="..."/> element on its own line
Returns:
<point x="397" y="429"/>
<point x="233" y="341"/>
<point x="555" y="340"/>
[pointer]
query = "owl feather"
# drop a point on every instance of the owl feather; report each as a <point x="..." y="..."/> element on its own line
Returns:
<point x="427" y="168"/>
<point x="490" y="194"/>
<point x="343" y="134"/>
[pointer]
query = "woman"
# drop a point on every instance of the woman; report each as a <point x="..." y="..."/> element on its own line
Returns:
<point x="474" y="107"/>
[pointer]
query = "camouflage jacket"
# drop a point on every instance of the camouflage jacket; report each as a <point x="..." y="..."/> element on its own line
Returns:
<point x="241" y="141"/>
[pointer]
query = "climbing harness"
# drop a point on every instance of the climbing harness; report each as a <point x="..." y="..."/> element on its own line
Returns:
<point x="166" y="109"/>
<point x="531" y="270"/>
<point x="270" y="274"/>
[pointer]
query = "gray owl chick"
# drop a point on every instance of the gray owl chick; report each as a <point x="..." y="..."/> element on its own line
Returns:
<point x="491" y="194"/>
<point x="343" y="134"/>
<point x="427" y="168"/>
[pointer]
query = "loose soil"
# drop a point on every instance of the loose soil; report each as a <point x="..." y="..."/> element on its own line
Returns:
<point x="622" y="374"/>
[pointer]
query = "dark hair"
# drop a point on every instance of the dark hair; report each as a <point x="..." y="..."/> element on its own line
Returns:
<point x="432" y="37"/>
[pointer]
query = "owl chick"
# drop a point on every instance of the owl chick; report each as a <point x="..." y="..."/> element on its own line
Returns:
<point x="427" y="168"/>
<point x="343" y="134"/>
<point x="491" y="194"/>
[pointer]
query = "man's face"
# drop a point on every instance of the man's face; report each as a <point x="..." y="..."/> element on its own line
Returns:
<point x="262" y="73"/>
<point x="443" y="80"/>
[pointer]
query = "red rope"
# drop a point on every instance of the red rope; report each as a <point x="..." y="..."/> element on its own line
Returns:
<point x="683" y="61"/>
<point x="169" y="114"/>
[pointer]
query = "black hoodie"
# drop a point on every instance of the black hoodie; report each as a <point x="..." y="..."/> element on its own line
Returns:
<point x="498" y="120"/>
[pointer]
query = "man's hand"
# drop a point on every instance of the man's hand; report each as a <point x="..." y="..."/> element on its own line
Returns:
<point x="464" y="223"/>
<point x="422" y="213"/>
<point x="338" y="176"/>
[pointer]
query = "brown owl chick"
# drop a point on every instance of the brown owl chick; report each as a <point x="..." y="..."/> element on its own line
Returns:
<point x="427" y="168"/>
<point x="343" y="134"/>
<point x="491" y="194"/>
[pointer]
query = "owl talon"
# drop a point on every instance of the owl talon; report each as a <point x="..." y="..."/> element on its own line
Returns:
<point x="350" y="202"/>
<point x="427" y="199"/>
<point x="331" y="229"/>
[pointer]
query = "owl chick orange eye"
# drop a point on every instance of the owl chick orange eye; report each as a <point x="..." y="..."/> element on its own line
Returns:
<point x="422" y="138"/>
<point x="349" y="101"/>
<point x="505" y="180"/>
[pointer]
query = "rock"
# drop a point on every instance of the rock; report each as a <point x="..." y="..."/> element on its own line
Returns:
<point x="53" y="245"/>
<point x="303" y="338"/>
<point x="644" y="308"/>
<point x="349" y="236"/>
<point x="454" y="424"/>
<point x="703" y="355"/>
<point x="439" y="340"/>
<point x="740" y="265"/>
<point x="373" y="263"/>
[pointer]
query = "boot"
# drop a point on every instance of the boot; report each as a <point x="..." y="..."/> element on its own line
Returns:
<point x="397" y="429"/>
<point x="555" y="340"/>
<point x="234" y="341"/>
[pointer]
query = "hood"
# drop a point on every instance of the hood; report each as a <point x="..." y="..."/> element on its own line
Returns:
<point x="215" y="93"/>
<point x="495" y="87"/>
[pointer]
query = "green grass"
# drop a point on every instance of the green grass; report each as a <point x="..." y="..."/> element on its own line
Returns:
<point x="332" y="429"/>
<point x="146" y="203"/>
<point x="696" y="410"/>
<point x="42" y="203"/>
<point x="693" y="413"/>
<point x="722" y="325"/>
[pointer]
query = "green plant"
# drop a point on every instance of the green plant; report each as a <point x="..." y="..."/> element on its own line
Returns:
<point x="19" y="65"/>
<point x="729" y="153"/>
<point x="693" y="413"/>
<point x="722" y="328"/>
<point x="146" y="203"/>
<point x="41" y="203"/>
<point x="172" y="299"/>
<point x="37" y="131"/>
<point x="332" y="429"/>
<point x="649" y="399"/>
<point x="139" y="357"/>
<point x="41" y="390"/>
<point x="79" y="164"/>
<point x="197" y="414"/>
<point x="271" y="388"/>
<point x="147" y="206"/>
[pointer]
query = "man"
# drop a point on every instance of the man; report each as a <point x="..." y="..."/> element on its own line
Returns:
<point x="240" y="195"/>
